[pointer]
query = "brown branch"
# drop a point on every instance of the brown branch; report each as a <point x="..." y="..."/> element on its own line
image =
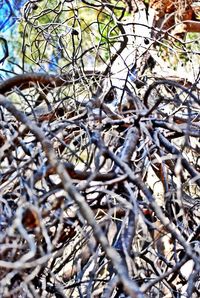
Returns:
<point x="192" y="26"/>
<point x="75" y="174"/>
<point x="28" y="80"/>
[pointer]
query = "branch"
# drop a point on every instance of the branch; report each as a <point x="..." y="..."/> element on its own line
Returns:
<point x="130" y="286"/>
<point x="24" y="81"/>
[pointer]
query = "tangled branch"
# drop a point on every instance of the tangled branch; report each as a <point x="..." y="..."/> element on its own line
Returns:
<point x="100" y="171"/>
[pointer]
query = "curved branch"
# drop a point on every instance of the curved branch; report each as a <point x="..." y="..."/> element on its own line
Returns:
<point x="24" y="81"/>
<point x="170" y="83"/>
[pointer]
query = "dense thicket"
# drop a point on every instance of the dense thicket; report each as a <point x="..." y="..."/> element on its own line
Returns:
<point x="99" y="150"/>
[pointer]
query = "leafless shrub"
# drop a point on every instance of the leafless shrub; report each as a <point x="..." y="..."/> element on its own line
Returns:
<point x="100" y="169"/>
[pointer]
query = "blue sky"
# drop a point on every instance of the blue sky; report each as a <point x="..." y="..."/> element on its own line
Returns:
<point x="9" y="14"/>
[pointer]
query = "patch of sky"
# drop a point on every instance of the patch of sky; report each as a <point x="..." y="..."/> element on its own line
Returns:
<point x="10" y="12"/>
